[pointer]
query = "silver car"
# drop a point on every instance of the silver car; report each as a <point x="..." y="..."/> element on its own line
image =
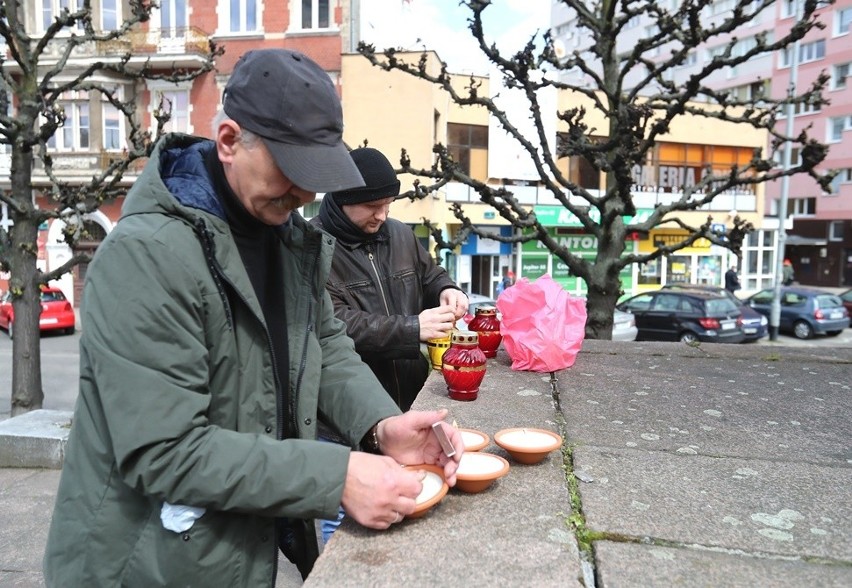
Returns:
<point x="624" y="326"/>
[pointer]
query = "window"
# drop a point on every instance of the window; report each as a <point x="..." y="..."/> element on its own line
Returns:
<point x="721" y="6"/>
<point x="173" y="18"/>
<point x="312" y="14"/>
<point x="836" y="127"/>
<point x="801" y="207"/>
<point x="807" y="52"/>
<point x="691" y="58"/>
<point x="468" y="146"/>
<point x="835" y="230"/>
<point x="177" y="103"/>
<point x="844" y="176"/>
<point x="74" y="133"/>
<point x="752" y="92"/>
<point x="50" y="9"/>
<point x="109" y="15"/>
<point x="842" y="21"/>
<point x="795" y="157"/>
<point x="651" y="32"/>
<point x="839" y="73"/>
<point x="788" y="8"/>
<point x="112" y="118"/>
<point x="802" y="109"/>
<point x="578" y="169"/>
<point x="242" y="16"/>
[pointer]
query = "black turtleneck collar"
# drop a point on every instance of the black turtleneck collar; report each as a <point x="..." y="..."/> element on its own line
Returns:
<point x="335" y="221"/>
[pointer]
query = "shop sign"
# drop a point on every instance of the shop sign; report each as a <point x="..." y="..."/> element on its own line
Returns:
<point x="560" y="269"/>
<point x="533" y="267"/>
<point x="559" y="216"/>
<point x="578" y="244"/>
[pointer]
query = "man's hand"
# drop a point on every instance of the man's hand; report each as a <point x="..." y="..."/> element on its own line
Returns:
<point x="409" y="439"/>
<point x="378" y="492"/>
<point x="437" y="322"/>
<point x="455" y="299"/>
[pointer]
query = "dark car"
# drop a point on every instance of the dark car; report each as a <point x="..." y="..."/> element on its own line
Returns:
<point x="687" y="316"/>
<point x="805" y="311"/>
<point x="755" y="325"/>
<point x="846" y="298"/>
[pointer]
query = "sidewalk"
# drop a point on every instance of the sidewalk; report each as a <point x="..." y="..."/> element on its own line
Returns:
<point x="716" y="465"/>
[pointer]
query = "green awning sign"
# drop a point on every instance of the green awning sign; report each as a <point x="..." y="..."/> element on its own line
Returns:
<point x="559" y="216"/>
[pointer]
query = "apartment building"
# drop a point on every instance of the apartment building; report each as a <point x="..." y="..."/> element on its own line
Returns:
<point x="175" y="36"/>
<point x="818" y="224"/>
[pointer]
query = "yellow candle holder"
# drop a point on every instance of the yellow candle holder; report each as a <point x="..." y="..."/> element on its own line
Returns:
<point x="436" y="348"/>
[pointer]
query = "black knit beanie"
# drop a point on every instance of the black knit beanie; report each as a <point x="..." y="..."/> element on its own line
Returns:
<point x="378" y="174"/>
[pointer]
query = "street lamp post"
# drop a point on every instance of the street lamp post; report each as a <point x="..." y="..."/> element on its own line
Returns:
<point x="775" y="310"/>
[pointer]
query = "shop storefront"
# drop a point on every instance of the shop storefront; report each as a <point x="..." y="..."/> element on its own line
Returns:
<point x="480" y="265"/>
<point x="702" y="263"/>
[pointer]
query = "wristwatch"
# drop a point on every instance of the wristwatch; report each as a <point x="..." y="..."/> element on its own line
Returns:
<point x="370" y="442"/>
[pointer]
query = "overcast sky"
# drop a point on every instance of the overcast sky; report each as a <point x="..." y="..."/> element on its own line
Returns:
<point x="441" y="25"/>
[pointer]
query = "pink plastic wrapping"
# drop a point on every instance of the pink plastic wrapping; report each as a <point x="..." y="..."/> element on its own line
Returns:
<point x="542" y="325"/>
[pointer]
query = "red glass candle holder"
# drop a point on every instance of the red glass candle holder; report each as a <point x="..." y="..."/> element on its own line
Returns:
<point x="463" y="366"/>
<point x="487" y="326"/>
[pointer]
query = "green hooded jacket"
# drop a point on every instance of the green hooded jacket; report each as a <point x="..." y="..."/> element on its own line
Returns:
<point x="178" y="402"/>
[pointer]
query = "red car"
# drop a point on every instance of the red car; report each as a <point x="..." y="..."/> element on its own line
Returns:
<point x="56" y="312"/>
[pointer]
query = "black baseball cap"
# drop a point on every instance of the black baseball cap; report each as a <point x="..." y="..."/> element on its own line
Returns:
<point x="290" y="103"/>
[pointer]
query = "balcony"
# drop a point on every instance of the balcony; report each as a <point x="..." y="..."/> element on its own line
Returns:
<point x="181" y="47"/>
<point x="80" y="166"/>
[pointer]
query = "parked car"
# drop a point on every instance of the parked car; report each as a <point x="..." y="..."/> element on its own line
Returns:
<point x="686" y="316"/>
<point x="755" y="325"/>
<point x="56" y="312"/>
<point x="805" y="311"/>
<point x="846" y="298"/>
<point x="624" y="326"/>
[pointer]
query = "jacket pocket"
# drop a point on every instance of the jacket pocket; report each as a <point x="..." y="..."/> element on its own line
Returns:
<point x="205" y="555"/>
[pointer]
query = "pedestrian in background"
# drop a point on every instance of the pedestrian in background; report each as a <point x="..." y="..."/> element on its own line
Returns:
<point x="787" y="273"/>
<point x="507" y="281"/>
<point x="209" y="351"/>
<point x="732" y="280"/>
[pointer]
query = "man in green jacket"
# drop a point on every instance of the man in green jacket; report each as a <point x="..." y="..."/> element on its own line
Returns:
<point x="209" y="351"/>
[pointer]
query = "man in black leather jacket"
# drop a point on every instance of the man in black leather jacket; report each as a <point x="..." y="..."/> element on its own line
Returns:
<point x="384" y="285"/>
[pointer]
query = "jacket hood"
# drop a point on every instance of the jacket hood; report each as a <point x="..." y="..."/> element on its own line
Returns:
<point x="174" y="179"/>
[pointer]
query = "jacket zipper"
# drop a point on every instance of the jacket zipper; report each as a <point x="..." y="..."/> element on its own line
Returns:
<point x="304" y="359"/>
<point x="219" y="277"/>
<point x="387" y="311"/>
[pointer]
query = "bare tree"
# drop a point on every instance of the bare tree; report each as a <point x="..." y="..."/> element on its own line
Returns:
<point x="69" y="55"/>
<point x="634" y="89"/>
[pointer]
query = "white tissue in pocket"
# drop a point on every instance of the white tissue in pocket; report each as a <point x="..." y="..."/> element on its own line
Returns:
<point x="178" y="517"/>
